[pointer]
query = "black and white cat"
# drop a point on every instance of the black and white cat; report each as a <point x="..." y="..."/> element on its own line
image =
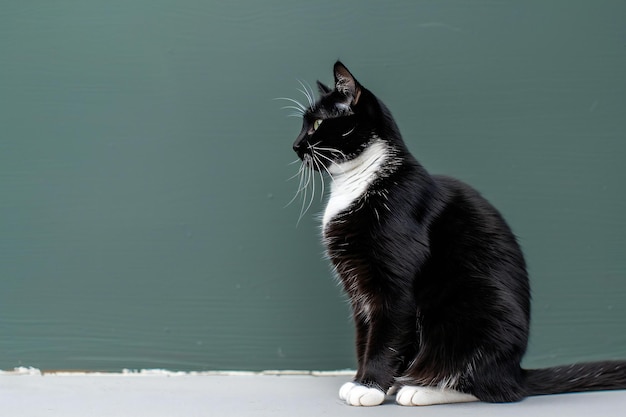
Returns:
<point x="436" y="280"/>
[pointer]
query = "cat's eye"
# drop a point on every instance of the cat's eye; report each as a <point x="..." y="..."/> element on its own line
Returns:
<point x="317" y="123"/>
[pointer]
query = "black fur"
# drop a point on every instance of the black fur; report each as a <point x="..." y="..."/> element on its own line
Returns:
<point x="436" y="279"/>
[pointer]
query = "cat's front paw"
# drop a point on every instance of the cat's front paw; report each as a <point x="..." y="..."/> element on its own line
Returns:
<point x="360" y="395"/>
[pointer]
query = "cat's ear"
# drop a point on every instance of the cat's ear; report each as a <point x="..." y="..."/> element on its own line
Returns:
<point x="323" y="88"/>
<point x="345" y="83"/>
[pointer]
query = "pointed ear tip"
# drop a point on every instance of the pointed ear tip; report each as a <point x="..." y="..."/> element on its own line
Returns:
<point x="341" y="70"/>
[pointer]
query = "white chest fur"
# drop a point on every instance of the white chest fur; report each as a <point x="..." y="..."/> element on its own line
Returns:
<point x="352" y="178"/>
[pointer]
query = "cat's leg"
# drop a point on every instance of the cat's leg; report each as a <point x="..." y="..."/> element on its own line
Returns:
<point x="380" y="344"/>
<point x="355" y="393"/>
<point x="411" y="395"/>
<point x="362" y="330"/>
<point x="498" y="378"/>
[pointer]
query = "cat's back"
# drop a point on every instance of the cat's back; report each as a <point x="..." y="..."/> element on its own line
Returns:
<point x="464" y="209"/>
<point x="470" y="241"/>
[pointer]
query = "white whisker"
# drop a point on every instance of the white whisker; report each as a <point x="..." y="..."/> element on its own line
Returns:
<point x="307" y="94"/>
<point x="347" y="133"/>
<point x="331" y="150"/>
<point x="295" y="175"/>
<point x="317" y="164"/>
<point x="298" y="109"/>
<point x="296" y="102"/>
<point x="307" y="175"/>
<point x="310" y="88"/>
<point x="312" y="175"/>
<point x="324" y="166"/>
<point x="329" y="160"/>
<point x="299" y="189"/>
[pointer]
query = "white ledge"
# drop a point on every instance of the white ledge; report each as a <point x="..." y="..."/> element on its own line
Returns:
<point x="31" y="392"/>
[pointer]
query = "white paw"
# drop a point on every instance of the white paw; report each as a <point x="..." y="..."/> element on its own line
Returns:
<point x="412" y="395"/>
<point x="360" y="395"/>
<point x="406" y="394"/>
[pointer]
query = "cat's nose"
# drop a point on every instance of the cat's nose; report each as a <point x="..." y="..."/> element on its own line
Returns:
<point x="299" y="150"/>
<point x="299" y="146"/>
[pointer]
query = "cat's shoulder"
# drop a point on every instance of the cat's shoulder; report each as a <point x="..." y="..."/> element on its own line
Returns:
<point x="453" y="187"/>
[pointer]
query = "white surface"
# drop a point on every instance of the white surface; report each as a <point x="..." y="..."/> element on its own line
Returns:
<point x="158" y="393"/>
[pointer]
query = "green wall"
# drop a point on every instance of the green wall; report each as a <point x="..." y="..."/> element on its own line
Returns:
<point x="144" y="167"/>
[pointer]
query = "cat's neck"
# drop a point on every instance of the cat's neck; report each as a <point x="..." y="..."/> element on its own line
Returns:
<point x="351" y="179"/>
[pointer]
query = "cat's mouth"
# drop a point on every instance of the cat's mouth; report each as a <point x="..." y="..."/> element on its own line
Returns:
<point x="312" y="162"/>
<point x="321" y="158"/>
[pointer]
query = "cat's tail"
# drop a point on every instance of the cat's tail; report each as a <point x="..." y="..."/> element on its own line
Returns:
<point x="593" y="376"/>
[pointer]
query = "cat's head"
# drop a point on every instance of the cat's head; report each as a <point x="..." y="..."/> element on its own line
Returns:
<point x="342" y="123"/>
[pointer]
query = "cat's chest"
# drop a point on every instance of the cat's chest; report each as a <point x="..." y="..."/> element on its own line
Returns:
<point x="351" y="180"/>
